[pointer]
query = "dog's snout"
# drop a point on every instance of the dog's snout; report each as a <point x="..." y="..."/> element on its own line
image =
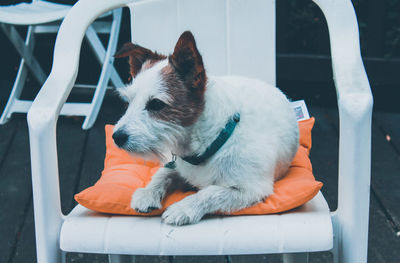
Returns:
<point x="120" y="138"/>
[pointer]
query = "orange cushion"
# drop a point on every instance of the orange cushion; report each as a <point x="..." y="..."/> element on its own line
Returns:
<point x="123" y="174"/>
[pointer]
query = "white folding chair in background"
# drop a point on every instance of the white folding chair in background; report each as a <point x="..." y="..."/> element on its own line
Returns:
<point x="45" y="17"/>
<point x="234" y="37"/>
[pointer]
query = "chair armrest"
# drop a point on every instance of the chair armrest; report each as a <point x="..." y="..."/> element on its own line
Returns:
<point x="355" y="111"/>
<point x="42" y="119"/>
<point x="348" y="69"/>
<point x="58" y="85"/>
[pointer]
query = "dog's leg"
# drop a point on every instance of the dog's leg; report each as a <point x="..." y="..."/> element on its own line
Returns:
<point x="209" y="200"/>
<point x="144" y="200"/>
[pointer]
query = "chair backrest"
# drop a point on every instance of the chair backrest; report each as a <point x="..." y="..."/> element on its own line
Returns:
<point x="233" y="36"/>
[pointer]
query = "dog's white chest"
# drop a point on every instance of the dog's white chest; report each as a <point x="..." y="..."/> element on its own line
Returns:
<point x="197" y="175"/>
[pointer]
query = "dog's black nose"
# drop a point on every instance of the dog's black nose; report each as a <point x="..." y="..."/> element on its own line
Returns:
<point x="120" y="138"/>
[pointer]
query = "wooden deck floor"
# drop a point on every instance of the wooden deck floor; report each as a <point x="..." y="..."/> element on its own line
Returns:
<point x="81" y="156"/>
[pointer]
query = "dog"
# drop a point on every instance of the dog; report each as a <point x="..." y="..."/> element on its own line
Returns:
<point x="230" y="137"/>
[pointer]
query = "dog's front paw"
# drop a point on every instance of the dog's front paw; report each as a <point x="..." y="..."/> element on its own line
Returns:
<point x="145" y="200"/>
<point x="181" y="214"/>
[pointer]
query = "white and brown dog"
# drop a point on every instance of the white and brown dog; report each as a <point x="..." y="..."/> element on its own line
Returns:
<point x="232" y="136"/>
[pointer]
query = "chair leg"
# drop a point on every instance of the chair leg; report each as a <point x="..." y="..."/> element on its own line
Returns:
<point x="107" y="70"/>
<point x="25" y="51"/>
<point x="295" y="258"/>
<point x="49" y="253"/>
<point x="15" y="92"/>
<point x="19" y="80"/>
<point x="121" y="259"/>
<point x="63" y="257"/>
<point x="99" y="50"/>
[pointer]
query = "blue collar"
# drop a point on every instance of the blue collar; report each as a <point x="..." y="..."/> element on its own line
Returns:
<point x="214" y="146"/>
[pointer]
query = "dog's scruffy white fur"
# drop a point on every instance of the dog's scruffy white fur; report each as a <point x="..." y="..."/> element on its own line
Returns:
<point x="174" y="107"/>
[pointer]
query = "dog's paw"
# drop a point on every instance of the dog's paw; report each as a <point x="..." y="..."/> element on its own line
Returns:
<point x="145" y="200"/>
<point x="181" y="214"/>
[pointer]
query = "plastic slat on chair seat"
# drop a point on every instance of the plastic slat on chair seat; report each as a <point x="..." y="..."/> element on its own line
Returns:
<point x="307" y="228"/>
<point x="38" y="12"/>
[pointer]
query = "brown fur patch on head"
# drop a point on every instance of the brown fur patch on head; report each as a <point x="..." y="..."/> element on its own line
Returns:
<point x="185" y="106"/>
<point x="150" y="63"/>
<point x="185" y="80"/>
<point x="138" y="56"/>
<point x="188" y="63"/>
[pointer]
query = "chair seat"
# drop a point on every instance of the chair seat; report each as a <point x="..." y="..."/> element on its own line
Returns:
<point x="38" y="12"/>
<point x="307" y="228"/>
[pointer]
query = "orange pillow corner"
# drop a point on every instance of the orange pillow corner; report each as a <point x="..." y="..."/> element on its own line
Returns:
<point x="123" y="174"/>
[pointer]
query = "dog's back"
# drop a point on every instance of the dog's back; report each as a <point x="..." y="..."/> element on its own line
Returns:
<point x="268" y="118"/>
<point x="263" y="144"/>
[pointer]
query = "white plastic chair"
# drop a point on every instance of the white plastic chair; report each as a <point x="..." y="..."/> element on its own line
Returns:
<point x="44" y="17"/>
<point x="235" y="37"/>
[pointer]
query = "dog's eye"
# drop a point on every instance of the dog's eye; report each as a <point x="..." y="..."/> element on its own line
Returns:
<point x="155" y="105"/>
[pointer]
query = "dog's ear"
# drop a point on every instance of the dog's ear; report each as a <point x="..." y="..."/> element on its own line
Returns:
<point x="188" y="63"/>
<point x="137" y="56"/>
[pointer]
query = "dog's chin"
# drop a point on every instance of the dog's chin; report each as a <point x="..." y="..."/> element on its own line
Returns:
<point x="148" y="155"/>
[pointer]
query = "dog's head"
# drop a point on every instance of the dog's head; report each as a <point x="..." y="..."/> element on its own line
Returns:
<point x="166" y="97"/>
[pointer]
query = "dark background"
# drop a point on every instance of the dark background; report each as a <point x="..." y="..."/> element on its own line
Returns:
<point x="303" y="55"/>
<point x="303" y="71"/>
